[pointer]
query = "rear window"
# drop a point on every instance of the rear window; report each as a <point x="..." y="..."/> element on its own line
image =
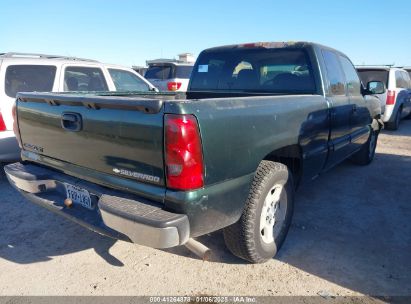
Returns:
<point x="84" y="79"/>
<point x="159" y="72"/>
<point x="183" y="71"/>
<point x="29" y="78"/>
<point x="126" y="81"/>
<point x="254" y="70"/>
<point x="367" y="75"/>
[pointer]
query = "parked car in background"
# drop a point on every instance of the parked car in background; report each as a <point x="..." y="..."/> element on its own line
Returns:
<point x="20" y="72"/>
<point x="169" y="74"/>
<point x="259" y="119"/>
<point x="140" y="69"/>
<point x="396" y="101"/>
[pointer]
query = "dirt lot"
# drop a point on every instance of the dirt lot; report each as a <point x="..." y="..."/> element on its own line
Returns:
<point x="351" y="235"/>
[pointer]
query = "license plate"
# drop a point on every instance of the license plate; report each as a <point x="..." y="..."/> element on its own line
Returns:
<point x="79" y="196"/>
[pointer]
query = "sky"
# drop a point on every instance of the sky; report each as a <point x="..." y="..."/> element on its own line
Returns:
<point x="130" y="32"/>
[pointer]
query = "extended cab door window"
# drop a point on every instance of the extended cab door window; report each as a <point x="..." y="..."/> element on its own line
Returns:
<point x="127" y="81"/>
<point x="352" y="80"/>
<point x="335" y="74"/>
<point x="78" y="78"/>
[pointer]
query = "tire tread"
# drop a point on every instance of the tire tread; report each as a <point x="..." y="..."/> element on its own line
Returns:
<point x="239" y="237"/>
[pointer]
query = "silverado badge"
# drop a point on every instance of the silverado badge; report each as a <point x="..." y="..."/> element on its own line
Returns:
<point x="142" y="176"/>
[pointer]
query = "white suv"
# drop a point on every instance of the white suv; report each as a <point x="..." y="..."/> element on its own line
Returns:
<point x="396" y="101"/>
<point x="169" y="74"/>
<point x="43" y="73"/>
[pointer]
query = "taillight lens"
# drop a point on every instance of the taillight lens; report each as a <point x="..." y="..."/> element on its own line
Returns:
<point x="390" y="97"/>
<point x="15" y="126"/>
<point x="183" y="152"/>
<point x="2" y="124"/>
<point x="173" y="86"/>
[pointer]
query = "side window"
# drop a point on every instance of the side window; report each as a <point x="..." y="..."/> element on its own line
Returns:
<point x="407" y="80"/>
<point x="399" y="80"/>
<point x="84" y="79"/>
<point x="334" y="73"/>
<point x="29" y="78"/>
<point x="126" y="81"/>
<point x="351" y="76"/>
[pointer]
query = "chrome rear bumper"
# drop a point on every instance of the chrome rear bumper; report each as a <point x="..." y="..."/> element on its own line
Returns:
<point x="115" y="214"/>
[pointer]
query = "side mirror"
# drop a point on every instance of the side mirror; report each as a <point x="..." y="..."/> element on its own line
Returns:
<point x="375" y="87"/>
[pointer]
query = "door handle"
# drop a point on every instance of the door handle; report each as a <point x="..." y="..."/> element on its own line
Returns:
<point x="71" y="122"/>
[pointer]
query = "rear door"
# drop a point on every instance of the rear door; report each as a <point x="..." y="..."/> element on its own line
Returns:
<point x="341" y="109"/>
<point x="360" y="115"/>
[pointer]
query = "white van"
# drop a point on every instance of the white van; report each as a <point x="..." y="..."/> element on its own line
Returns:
<point x="20" y="72"/>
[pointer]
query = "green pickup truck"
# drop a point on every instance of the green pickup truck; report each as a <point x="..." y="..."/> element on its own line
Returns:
<point x="159" y="170"/>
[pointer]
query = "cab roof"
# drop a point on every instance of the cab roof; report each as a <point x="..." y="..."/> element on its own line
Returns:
<point x="270" y="45"/>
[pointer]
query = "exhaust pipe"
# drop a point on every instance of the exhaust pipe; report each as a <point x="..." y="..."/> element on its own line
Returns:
<point x="198" y="249"/>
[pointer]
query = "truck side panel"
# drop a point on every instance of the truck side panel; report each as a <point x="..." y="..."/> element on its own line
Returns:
<point x="237" y="129"/>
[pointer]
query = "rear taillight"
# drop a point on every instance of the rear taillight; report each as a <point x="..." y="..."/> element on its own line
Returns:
<point x="15" y="125"/>
<point x="2" y="124"/>
<point x="183" y="152"/>
<point x="173" y="86"/>
<point x="390" y="97"/>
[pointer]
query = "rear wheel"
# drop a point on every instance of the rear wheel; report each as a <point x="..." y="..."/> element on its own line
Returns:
<point x="367" y="152"/>
<point x="396" y="123"/>
<point x="266" y="218"/>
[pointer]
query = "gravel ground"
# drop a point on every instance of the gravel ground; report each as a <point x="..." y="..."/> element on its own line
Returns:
<point x="351" y="235"/>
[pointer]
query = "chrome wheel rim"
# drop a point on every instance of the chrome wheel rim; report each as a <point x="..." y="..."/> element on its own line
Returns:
<point x="273" y="213"/>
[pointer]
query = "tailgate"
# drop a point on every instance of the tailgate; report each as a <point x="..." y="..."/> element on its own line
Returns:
<point x="120" y="136"/>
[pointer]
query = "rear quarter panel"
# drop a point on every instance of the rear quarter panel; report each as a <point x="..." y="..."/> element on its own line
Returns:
<point x="237" y="134"/>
